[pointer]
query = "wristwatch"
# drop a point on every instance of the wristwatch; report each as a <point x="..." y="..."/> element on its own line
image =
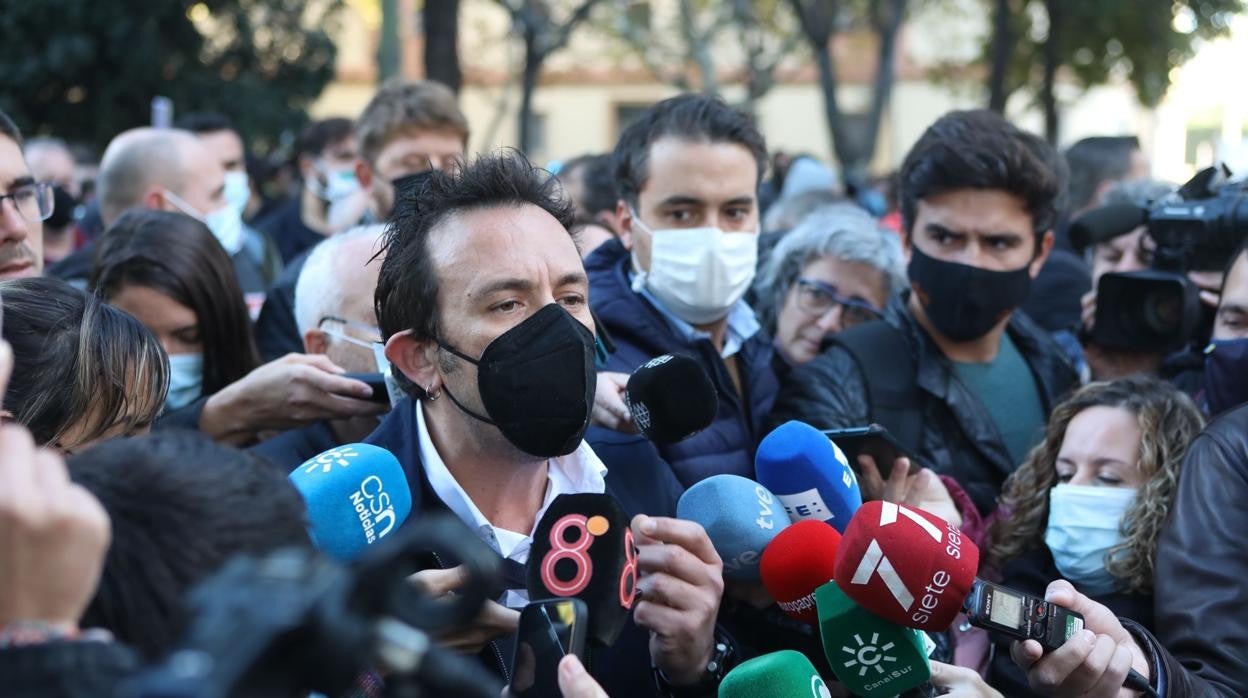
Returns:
<point x="723" y="659"/>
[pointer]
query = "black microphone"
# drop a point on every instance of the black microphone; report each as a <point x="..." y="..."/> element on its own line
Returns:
<point x="671" y="398"/>
<point x="583" y="548"/>
<point x="1106" y="223"/>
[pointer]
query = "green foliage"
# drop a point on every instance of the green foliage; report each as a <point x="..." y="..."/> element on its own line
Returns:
<point x="85" y="70"/>
<point x="1100" y="38"/>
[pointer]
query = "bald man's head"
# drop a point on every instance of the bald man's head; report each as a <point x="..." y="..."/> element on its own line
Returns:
<point x="142" y="166"/>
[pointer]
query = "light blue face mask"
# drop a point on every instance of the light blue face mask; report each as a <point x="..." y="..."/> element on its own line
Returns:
<point x="226" y="223"/>
<point x="1084" y="523"/>
<point x="237" y="190"/>
<point x="186" y="380"/>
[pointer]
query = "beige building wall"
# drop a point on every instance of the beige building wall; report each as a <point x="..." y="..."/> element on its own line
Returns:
<point x="585" y="85"/>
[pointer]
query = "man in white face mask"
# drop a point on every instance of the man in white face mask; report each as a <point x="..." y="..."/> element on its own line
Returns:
<point x="217" y="132"/>
<point x="169" y="170"/>
<point x="688" y="173"/>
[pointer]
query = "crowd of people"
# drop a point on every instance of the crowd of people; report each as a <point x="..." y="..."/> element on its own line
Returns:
<point x="174" y="347"/>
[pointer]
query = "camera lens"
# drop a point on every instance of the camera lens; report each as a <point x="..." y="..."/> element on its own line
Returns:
<point x="1162" y="312"/>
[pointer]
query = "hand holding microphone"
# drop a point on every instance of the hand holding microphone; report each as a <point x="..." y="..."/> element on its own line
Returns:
<point x="494" y="621"/>
<point x="1095" y="662"/>
<point x="914" y="569"/>
<point x="681" y="586"/>
<point x="610" y="410"/>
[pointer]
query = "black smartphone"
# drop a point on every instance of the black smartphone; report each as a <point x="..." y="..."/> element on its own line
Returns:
<point x="376" y="381"/>
<point x="875" y="441"/>
<point x="549" y="631"/>
<point x="1020" y="616"/>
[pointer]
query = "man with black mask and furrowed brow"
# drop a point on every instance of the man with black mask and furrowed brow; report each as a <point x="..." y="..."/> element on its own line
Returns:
<point x="482" y="301"/>
<point x="954" y="371"/>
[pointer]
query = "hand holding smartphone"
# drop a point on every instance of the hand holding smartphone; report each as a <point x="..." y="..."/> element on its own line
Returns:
<point x="875" y="441"/>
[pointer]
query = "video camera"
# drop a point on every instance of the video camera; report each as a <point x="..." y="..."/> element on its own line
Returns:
<point x="295" y="621"/>
<point x="1198" y="228"/>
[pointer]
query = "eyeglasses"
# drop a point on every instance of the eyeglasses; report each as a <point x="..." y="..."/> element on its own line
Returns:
<point x="816" y="298"/>
<point x="34" y="201"/>
<point x="368" y="330"/>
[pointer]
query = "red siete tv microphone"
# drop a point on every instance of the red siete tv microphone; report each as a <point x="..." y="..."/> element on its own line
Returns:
<point x="917" y="570"/>
<point x="907" y="566"/>
<point x="796" y="562"/>
<point x="583" y="548"/>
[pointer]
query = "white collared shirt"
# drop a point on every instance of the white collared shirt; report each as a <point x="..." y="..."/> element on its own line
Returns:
<point x="578" y="472"/>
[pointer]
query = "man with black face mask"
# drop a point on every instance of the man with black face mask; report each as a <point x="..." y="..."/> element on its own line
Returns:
<point x="407" y="130"/>
<point x="483" y="304"/>
<point x="960" y="377"/>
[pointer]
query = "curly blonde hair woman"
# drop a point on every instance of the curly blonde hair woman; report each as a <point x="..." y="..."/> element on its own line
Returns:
<point x="1165" y="423"/>
<point x="1089" y="502"/>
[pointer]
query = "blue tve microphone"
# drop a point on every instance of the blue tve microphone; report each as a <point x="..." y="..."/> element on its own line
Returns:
<point x="740" y="517"/>
<point x="809" y="475"/>
<point x="356" y="495"/>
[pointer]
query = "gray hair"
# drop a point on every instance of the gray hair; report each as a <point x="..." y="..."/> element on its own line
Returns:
<point x="787" y="213"/>
<point x="843" y="231"/>
<point x="319" y="292"/>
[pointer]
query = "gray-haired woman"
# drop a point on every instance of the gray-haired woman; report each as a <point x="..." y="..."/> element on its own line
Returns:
<point x="836" y="269"/>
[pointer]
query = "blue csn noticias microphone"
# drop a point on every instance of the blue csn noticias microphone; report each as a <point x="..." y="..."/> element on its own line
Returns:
<point x="356" y="495"/>
<point x="740" y="517"/>
<point x="809" y="475"/>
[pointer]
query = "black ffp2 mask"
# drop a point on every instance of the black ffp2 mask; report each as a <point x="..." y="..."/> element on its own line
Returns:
<point x="537" y="382"/>
<point x="965" y="302"/>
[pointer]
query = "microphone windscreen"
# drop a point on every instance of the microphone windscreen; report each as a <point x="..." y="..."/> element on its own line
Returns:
<point x="905" y="565"/>
<point x="356" y="495"/>
<point x="798" y="561"/>
<point x="808" y="474"/>
<point x="871" y="656"/>
<point x="1106" y="223"/>
<point x="671" y="398"/>
<point x="740" y="517"/>
<point x="783" y="674"/>
<point x="583" y="548"/>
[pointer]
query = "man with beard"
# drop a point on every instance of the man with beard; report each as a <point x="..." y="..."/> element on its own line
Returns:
<point x="24" y="204"/>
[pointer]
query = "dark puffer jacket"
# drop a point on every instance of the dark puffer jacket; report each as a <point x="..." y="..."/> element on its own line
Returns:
<point x="959" y="437"/>
<point x="640" y="333"/>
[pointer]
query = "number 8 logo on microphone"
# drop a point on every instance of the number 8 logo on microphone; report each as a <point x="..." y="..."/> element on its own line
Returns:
<point x="560" y="549"/>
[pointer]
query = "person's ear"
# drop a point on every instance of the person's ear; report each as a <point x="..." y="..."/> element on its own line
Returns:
<point x="907" y="249"/>
<point x="154" y="199"/>
<point x="307" y="166"/>
<point x="315" y="341"/>
<point x="417" y="359"/>
<point x="363" y="174"/>
<point x="1046" y="246"/>
<point x="624" y="219"/>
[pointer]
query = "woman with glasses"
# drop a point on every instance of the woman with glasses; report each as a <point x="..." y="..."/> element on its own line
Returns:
<point x="835" y="270"/>
<point x="169" y="271"/>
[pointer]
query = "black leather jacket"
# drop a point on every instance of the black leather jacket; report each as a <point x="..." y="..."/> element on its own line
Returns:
<point x="1201" y="576"/>
<point x="959" y="437"/>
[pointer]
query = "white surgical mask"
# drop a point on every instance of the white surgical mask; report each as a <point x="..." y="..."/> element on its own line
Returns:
<point x="237" y="190"/>
<point x="1084" y="523"/>
<point x="698" y="274"/>
<point x="226" y="223"/>
<point x="186" y="380"/>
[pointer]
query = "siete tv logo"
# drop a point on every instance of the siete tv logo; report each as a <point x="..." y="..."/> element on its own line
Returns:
<point x="874" y="562"/>
<point x="373" y="506"/>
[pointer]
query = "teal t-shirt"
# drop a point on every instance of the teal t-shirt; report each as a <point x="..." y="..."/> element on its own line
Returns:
<point x="1008" y="392"/>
